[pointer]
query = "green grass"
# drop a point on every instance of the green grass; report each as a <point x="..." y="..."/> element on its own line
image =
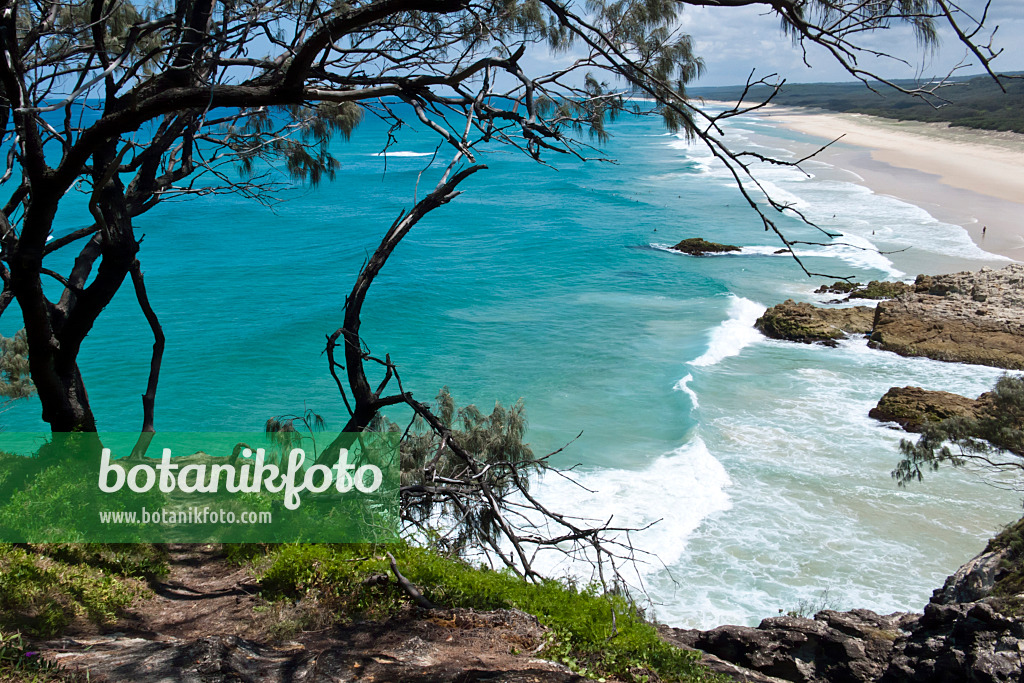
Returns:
<point x="583" y="634"/>
<point x="41" y="594"/>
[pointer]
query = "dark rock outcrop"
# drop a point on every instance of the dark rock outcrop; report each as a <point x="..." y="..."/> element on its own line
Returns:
<point x="698" y="246"/>
<point x="911" y="407"/>
<point x="962" y="317"/>
<point x="973" y="581"/>
<point x="803" y="322"/>
<point x="972" y="630"/>
<point x="947" y="644"/>
<point x="834" y="646"/>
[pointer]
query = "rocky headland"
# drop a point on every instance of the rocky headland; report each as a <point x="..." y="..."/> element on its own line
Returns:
<point x="962" y="317"/>
<point x="972" y="630"/>
<point x="968" y="317"/>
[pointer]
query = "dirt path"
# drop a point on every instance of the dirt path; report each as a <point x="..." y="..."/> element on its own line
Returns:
<point x="202" y="594"/>
<point x="200" y="626"/>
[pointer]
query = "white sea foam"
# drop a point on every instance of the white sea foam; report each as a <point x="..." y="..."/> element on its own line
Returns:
<point x="684" y="386"/>
<point x="734" y="334"/>
<point x="404" y="154"/>
<point x="674" y="494"/>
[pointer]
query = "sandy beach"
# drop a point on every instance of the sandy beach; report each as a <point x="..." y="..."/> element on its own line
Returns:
<point x="961" y="176"/>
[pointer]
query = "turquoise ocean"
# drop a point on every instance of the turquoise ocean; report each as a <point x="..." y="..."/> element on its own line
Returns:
<point x="769" y="483"/>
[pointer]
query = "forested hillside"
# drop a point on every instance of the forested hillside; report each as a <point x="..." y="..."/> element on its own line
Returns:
<point x="974" y="101"/>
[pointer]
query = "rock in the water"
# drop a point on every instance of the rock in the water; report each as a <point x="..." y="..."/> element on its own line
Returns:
<point x="803" y="322"/>
<point x="698" y="246"/>
<point x="962" y="317"/>
<point x="838" y="287"/>
<point x="877" y="289"/>
<point x="911" y="407"/>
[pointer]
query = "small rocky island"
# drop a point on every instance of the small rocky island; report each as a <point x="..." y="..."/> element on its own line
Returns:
<point x="698" y="246"/>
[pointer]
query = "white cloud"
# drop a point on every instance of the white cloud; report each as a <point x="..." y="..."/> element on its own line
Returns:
<point x="733" y="41"/>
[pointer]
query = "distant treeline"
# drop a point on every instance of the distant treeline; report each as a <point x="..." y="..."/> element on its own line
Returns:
<point x="975" y="101"/>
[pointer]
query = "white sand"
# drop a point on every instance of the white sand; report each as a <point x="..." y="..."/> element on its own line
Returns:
<point x="966" y="177"/>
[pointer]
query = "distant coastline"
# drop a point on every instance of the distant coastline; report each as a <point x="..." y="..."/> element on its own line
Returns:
<point x="970" y="102"/>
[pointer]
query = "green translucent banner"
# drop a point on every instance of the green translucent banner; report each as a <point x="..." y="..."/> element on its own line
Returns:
<point x="199" y="487"/>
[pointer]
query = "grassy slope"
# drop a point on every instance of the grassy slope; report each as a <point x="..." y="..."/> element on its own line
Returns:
<point x="46" y="589"/>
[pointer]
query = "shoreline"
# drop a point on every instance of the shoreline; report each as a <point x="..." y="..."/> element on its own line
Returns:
<point x="974" y="179"/>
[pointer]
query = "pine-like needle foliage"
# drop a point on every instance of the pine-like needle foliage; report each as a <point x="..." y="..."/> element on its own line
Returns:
<point x="496" y="440"/>
<point x="994" y="438"/>
<point x="14" y="377"/>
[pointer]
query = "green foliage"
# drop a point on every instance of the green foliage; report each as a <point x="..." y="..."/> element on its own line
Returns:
<point x="584" y="634"/>
<point x="19" y="663"/>
<point x="866" y="16"/>
<point x="130" y="560"/>
<point x="1009" y="585"/>
<point x="14" y="372"/>
<point x="42" y="497"/>
<point x="284" y="436"/>
<point x="495" y="440"/>
<point x="255" y="136"/>
<point x="997" y="429"/>
<point x="43" y="594"/>
<point x="807" y="608"/>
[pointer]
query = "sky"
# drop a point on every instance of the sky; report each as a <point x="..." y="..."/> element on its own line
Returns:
<point x="733" y="41"/>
